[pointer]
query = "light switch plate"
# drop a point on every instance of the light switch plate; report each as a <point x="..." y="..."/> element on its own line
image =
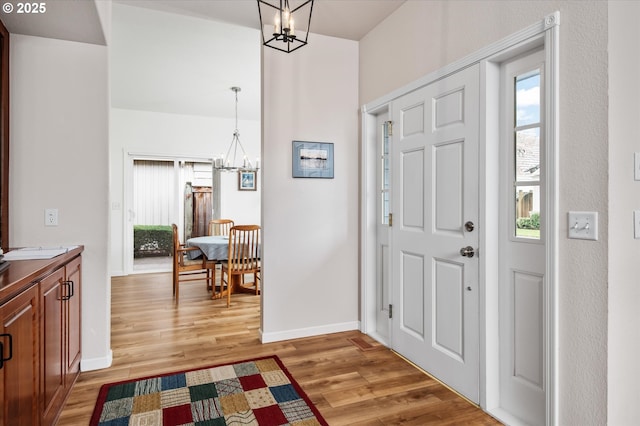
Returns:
<point x="636" y="224"/>
<point x="636" y="166"/>
<point x="583" y="225"/>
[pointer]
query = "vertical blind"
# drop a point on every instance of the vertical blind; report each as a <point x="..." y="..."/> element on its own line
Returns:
<point x="157" y="188"/>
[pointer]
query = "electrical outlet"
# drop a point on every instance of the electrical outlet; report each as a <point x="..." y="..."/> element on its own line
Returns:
<point x="636" y="166"/>
<point x="51" y="217"/>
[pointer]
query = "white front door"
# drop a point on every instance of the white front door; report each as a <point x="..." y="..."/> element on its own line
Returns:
<point x="435" y="292"/>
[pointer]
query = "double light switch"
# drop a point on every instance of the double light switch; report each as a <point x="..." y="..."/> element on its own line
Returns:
<point x="583" y="225"/>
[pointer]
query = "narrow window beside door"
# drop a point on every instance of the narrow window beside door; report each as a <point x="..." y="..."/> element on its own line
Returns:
<point x="384" y="182"/>
<point x="527" y="161"/>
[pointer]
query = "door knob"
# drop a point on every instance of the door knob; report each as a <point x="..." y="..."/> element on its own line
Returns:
<point x="467" y="251"/>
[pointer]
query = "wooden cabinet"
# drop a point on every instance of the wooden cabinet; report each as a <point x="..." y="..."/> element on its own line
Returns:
<point x="20" y="367"/>
<point x="40" y="338"/>
<point x="72" y="326"/>
<point x="60" y="336"/>
<point x="52" y="293"/>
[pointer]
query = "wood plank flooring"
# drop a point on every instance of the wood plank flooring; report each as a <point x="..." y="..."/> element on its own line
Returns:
<point x="352" y="379"/>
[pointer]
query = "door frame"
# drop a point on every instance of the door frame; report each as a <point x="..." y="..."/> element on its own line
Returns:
<point x="543" y="33"/>
<point x="368" y="220"/>
<point x="128" y="161"/>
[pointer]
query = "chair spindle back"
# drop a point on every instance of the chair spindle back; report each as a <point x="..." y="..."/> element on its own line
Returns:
<point x="244" y="248"/>
<point x="220" y="226"/>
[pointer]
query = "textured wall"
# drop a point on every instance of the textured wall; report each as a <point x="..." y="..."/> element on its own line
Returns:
<point x="624" y="197"/>
<point x="423" y="36"/>
<point x="310" y="225"/>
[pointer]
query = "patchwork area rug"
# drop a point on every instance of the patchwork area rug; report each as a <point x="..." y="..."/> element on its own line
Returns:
<point x="254" y="392"/>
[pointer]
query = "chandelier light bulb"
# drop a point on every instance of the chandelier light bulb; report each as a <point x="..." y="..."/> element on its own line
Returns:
<point x="286" y="18"/>
<point x="276" y="24"/>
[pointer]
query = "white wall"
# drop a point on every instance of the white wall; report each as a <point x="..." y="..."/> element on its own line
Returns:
<point x="624" y="197"/>
<point x="170" y="79"/>
<point x="310" y="251"/>
<point x="144" y="132"/>
<point x="59" y="159"/>
<point x="423" y="36"/>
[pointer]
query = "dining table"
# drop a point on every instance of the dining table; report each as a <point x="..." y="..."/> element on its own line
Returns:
<point x="215" y="248"/>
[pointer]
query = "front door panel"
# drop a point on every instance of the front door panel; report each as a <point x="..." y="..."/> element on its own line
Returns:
<point x="435" y="192"/>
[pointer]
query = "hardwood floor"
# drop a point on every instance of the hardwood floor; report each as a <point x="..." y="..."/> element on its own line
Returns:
<point x="352" y="379"/>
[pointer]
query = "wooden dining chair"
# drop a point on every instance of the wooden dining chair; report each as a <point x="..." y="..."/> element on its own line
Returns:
<point x="220" y="226"/>
<point x="243" y="258"/>
<point x="185" y="269"/>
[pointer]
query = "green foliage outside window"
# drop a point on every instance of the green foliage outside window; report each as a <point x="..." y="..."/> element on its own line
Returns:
<point x="528" y="227"/>
<point x="152" y="240"/>
<point x="531" y="222"/>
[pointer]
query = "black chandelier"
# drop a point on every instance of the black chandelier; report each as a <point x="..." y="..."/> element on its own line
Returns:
<point x="285" y="34"/>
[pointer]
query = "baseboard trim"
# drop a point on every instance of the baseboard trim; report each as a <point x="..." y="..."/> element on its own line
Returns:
<point x="308" y="332"/>
<point x="97" y="363"/>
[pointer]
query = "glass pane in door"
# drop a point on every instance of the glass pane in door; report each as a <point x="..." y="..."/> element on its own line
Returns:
<point x="384" y="184"/>
<point x="527" y="159"/>
<point x="528" y="98"/>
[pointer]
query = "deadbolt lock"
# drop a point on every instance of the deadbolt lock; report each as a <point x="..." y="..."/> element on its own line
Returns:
<point x="469" y="226"/>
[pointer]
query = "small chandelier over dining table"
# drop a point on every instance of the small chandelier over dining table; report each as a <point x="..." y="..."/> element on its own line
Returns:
<point x="229" y="162"/>
<point x="283" y="34"/>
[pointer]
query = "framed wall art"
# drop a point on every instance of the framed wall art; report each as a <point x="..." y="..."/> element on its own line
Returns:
<point x="312" y="160"/>
<point x="247" y="180"/>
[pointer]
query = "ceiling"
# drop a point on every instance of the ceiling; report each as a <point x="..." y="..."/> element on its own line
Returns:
<point x="62" y="19"/>
<point x="179" y="81"/>
<point x="349" y="19"/>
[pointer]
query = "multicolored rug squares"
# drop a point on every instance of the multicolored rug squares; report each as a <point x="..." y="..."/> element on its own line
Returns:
<point x="257" y="392"/>
<point x="254" y="381"/>
<point x="206" y="409"/>
<point x="175" y="397"/>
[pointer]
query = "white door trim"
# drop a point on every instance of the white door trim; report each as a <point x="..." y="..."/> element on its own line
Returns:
<point x="552" y="117"/>
<point x="544" y="32"/>
<point x="368" y="222"/>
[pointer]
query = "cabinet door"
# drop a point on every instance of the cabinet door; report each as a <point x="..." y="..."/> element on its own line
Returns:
<point x="19" y="376"/>
<point x="52" y="292"/>
<point x="72" y="316"/>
